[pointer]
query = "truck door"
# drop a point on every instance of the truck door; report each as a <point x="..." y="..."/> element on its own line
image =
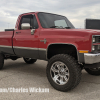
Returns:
<point x="25" y="41"/>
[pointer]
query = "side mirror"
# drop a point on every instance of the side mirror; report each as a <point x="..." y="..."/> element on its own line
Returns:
<point x="25" y="26"/>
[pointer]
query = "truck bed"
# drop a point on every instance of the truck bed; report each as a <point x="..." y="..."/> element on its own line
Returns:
<point x="6" y="41"/>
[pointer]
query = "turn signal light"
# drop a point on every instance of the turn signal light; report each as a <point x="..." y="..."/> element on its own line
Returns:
<point x="82" y="51"/>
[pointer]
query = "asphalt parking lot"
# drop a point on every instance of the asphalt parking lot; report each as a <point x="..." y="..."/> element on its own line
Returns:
<point x="18" y="74"/>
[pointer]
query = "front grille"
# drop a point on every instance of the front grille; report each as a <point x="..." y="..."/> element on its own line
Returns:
<point x="97" y="38"/>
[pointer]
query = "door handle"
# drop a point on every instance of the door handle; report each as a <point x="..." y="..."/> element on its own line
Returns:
<point x="18" y="32"/>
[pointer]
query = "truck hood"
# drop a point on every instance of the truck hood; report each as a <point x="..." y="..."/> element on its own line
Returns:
<point x="90" y="31"/>
<point x="75" y="32"/>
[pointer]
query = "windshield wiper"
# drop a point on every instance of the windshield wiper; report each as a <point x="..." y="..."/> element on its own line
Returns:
<point x="60" y="27"/>
<point x="68" y="27"/>
<point x="54" y="26"/>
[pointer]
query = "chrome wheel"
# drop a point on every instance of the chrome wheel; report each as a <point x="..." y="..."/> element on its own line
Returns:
<point x="59" y="73"/>
<point x="63" y="72"/>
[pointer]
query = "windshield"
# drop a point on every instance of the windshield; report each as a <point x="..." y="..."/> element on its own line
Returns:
<point x="48" y="20"/>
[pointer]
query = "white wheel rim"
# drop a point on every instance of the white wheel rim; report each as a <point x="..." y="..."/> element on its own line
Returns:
<point x="59" y="73"/>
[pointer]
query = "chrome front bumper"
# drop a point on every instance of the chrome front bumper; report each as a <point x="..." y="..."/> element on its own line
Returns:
<point x="90" y="58"/>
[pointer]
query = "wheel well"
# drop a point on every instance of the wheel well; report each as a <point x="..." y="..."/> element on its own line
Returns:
<point x="55" y="49"/>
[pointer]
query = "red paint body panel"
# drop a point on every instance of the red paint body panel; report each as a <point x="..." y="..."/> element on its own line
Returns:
<point x="6" y="38"/>
<point x="25" y="39"/>
<point x="81" y="39"/>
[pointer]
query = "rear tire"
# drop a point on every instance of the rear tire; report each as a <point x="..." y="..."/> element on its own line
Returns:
<point x="1" y="61"/>
<point x="93" y="71"/>
<point x="29" y="60"/>
<point x="63" y="72"/>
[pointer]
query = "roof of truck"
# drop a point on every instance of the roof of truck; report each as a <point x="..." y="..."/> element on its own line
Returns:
<point x="39" y="12"/>
<point x="28" y="13"/>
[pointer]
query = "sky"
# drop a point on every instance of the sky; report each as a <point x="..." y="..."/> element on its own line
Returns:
<point x="75" y="10"/>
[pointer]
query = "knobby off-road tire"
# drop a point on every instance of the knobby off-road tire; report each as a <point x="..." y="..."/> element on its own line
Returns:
<point x="29" y="60"/>
<point x="93" y="71"/>
<point x="1" y="61"/>
<point x="63" y="72"/>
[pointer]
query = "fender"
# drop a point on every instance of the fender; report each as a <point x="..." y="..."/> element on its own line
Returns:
<point x="62" y="43"/>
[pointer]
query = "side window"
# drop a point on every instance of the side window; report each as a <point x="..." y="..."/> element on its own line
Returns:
<point x="31" y="20"/>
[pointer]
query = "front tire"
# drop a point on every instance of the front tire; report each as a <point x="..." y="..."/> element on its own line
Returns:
<point x="93" y="71"/>
<point x="1" y="61"/>
<point x="29" y="60"/>
<point x="63" y="72"/>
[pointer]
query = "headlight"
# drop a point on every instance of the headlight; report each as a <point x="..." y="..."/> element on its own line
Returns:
<point x="93" y="40"/>
<point x="93" y="48"/>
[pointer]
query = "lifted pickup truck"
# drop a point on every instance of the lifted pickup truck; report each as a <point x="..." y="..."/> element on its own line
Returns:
<point x="51" y="37"/>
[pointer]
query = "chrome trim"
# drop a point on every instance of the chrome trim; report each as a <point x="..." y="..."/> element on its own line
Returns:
<point x="59" y="73"/>
<point x="5" y="46"/>
<point x="94" y="43"/>
<point x="42" y="49"/>
<point x="43" y="41"/>
<point x="90" y="58"/>
<point x="32" y="31"/>
<point x="95" y="35"/>
<point x="25" y="26"/>
<point x="92" y="38"/>
<point x="63" y="43"/>
<point x="23" y="47"/>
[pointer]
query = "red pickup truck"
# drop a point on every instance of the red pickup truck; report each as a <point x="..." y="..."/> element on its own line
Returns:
<point x="51" y="37"/>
